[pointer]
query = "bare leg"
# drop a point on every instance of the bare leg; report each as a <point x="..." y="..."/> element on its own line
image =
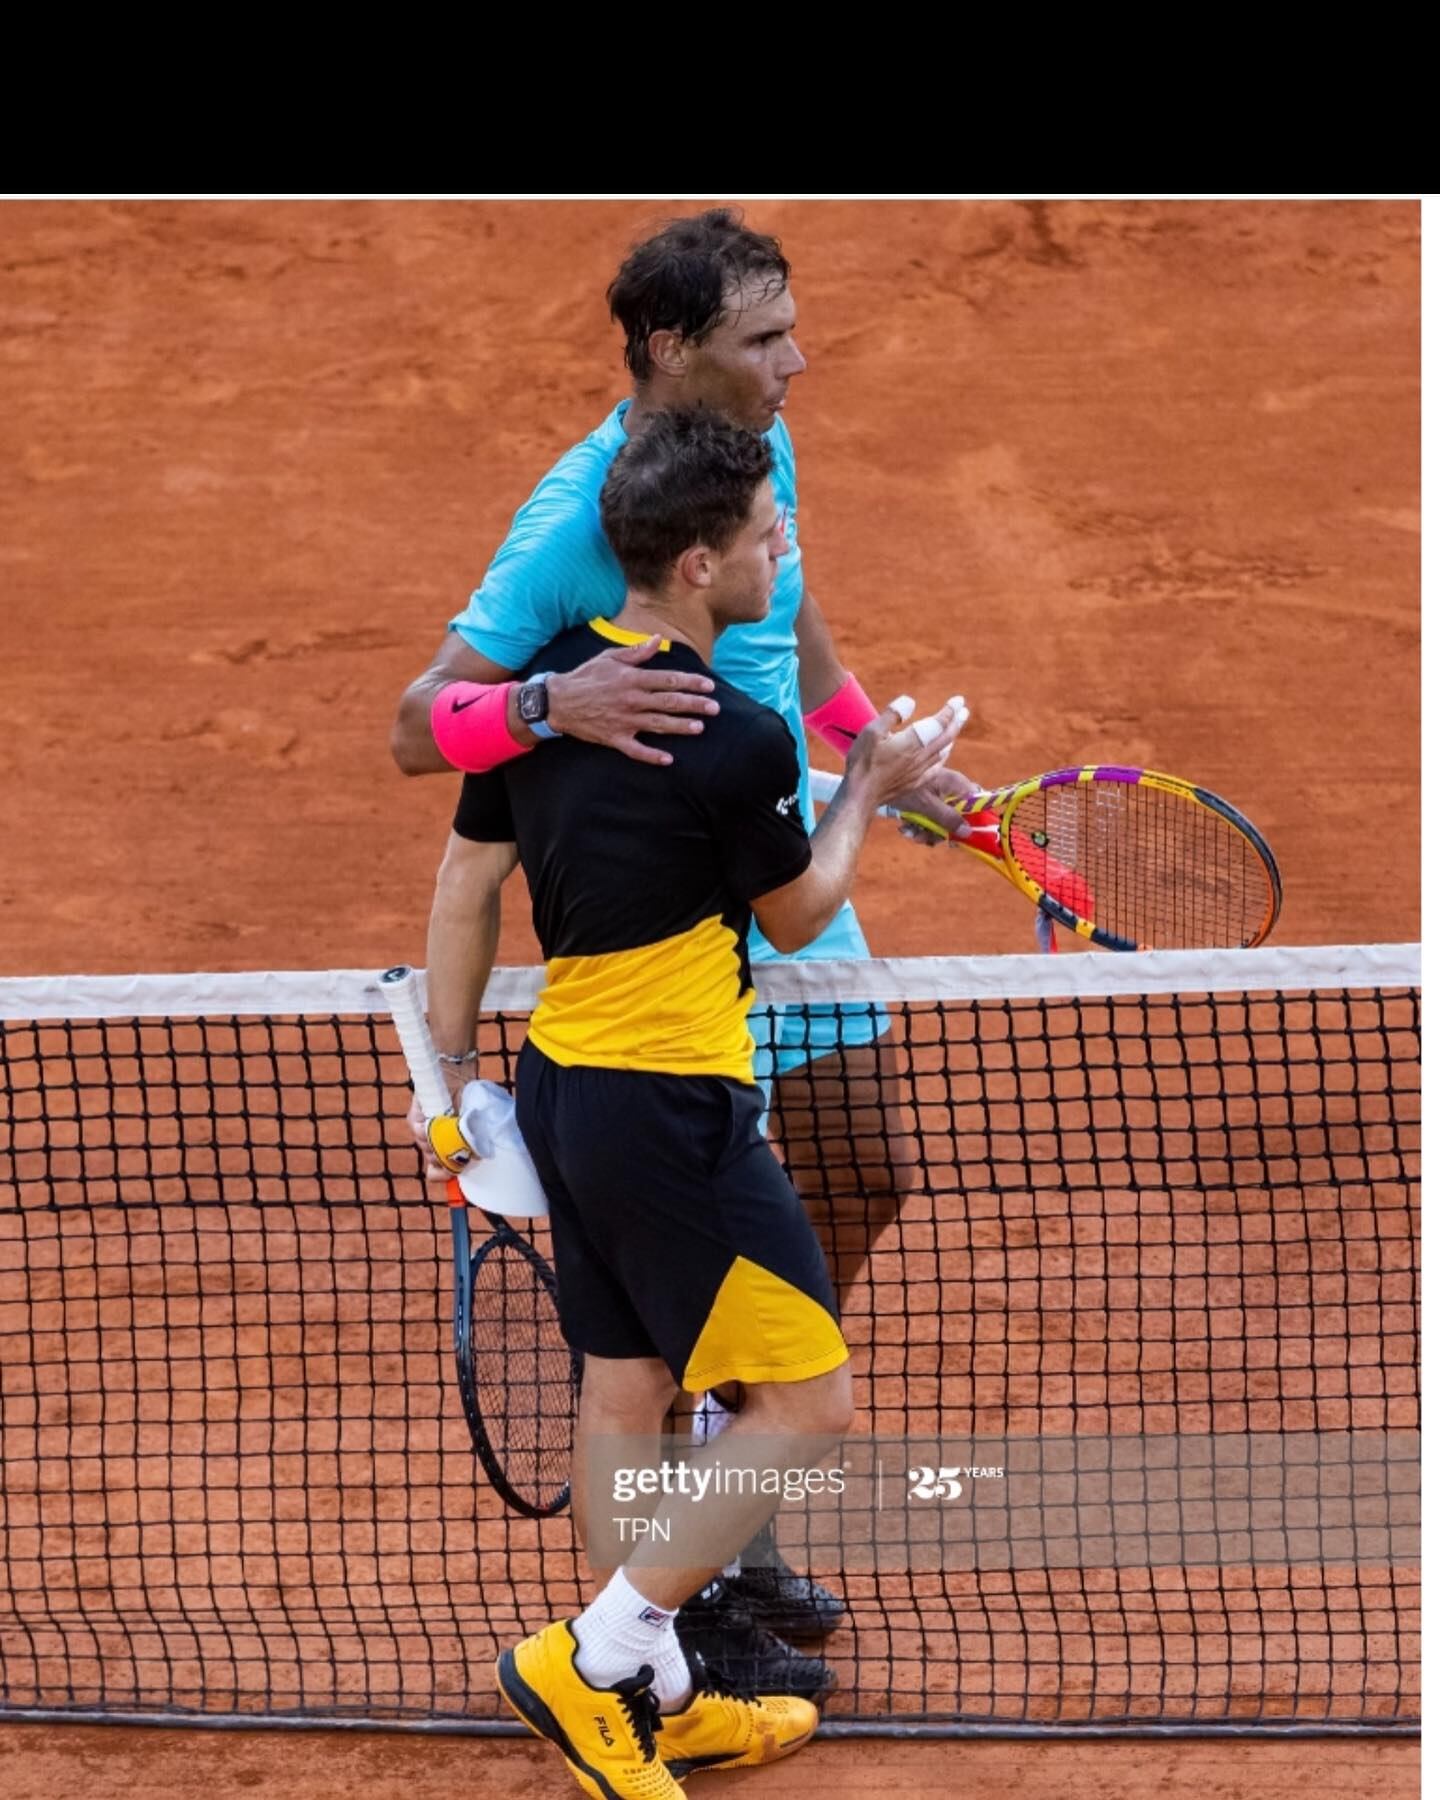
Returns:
<point x="621" y="1402"/>
<point x="782" y="1425"/>
<point x="850" y="1149"/>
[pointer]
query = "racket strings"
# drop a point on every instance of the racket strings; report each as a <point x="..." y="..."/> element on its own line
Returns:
<point x="1157" y="867"/>
<point x="524" y="1372"/>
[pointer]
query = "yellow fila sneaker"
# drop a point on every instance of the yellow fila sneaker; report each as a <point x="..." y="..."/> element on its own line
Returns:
<point x="724" y="1731"/>
<point x="606" y="1735"/>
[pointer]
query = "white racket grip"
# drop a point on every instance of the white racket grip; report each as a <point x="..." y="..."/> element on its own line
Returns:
<point x="824" y="786"/>
<point x="401" y="988"/>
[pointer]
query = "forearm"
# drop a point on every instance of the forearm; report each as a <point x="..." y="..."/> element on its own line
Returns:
<point x="413" y="741"/>
<point x="836" y="707"/>
<point x="884" y="763"/>
<point x="609" y="700"/>
<point x="462" y="938"/>
<point x="822" y="674"/>
<point x="835" y="851"/>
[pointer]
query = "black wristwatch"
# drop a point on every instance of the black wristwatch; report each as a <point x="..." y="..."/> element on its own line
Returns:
<point x="534" y="705"/>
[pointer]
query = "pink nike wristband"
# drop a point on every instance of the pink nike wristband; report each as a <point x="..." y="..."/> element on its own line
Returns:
<point x="843" y="716"/>
<point x="468" y="723"/>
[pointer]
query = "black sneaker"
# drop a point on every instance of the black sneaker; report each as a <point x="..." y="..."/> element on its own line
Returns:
<point x="718" y="1628"/>
<point x="781" y="1601"/>
<point x="776" y="1597"/>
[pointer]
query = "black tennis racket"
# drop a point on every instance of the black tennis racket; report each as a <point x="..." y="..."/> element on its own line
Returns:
<point x="518" y="1378"/>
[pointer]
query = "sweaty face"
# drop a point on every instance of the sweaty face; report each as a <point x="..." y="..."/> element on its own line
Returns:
<point x="745" y="365"/>
<point x="746" y="572"/>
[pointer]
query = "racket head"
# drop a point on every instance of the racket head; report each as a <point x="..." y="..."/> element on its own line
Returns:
<point x="1132" y="859"/>
<point x="518" y="1377"/>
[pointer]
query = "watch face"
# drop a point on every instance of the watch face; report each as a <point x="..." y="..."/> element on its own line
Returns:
<point x="534" y="701"/>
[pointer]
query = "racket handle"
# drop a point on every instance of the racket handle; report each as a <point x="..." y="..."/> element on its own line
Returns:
<point x="824" y="786"/>
<point x="401" y="988"/>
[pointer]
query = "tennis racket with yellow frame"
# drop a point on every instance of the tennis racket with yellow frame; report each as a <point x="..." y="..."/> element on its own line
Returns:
<point x="1128" y="859"/>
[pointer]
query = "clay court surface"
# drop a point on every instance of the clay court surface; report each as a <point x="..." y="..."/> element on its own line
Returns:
<point x="1140" y="479"/>
<point x="37" y="1762"/>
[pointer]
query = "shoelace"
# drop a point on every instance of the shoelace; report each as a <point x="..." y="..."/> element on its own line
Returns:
<point x="715" y="1681"/>
<point x="642" y="1709"/>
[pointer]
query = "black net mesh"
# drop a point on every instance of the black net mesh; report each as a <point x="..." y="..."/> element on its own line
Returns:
<point x="234" y="1476"/>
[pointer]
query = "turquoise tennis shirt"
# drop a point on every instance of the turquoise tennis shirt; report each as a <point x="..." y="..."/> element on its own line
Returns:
<point x="555" y="570"/>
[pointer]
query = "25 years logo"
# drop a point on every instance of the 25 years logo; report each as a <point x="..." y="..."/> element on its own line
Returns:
<point x="936" y="1484"/>
<point x="948" y="1481"/>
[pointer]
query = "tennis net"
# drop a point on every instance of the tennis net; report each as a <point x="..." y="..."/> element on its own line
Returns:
<point x="1167" y="1198"/>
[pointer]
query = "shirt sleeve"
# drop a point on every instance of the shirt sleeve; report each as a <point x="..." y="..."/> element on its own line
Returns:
<point x="553" y="571"/>
<point x="483" y="814"/>
<point x="753" y="804"/>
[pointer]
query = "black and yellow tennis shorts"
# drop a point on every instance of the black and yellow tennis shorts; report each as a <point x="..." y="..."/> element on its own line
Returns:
<point x="676" y="1232"/>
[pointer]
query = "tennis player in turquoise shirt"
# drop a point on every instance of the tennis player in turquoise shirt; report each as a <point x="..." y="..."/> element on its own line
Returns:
<point x="555" y="571"/>
<point x="709" y="322"/>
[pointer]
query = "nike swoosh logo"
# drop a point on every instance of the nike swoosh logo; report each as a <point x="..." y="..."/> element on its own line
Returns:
<point x="460" y="705"/>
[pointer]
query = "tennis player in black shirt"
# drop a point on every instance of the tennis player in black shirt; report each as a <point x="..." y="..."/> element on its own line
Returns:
<point x="683" y="1255"/>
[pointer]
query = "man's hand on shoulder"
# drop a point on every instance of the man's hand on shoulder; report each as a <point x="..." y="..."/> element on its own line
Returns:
<point x="614" y="697"/>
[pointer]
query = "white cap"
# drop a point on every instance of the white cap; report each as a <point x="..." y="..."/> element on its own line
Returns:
<point x="500" y="1177"/>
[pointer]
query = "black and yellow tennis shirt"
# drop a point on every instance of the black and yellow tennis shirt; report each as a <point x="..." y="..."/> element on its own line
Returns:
<point x="641" y="877"/>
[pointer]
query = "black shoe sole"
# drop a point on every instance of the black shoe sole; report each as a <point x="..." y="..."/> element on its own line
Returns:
<point x="532" y="1711"/>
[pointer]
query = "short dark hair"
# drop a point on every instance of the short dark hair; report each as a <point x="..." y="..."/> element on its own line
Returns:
<point x="679" y="279"/>
<point x="687" y="478"/>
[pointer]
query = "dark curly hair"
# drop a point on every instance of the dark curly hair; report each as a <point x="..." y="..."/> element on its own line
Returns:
<point x="687" y="478"/>
<point x="679" y="279"/>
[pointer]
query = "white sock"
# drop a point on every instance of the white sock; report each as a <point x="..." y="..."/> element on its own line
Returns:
<point x="619" y="1631"/>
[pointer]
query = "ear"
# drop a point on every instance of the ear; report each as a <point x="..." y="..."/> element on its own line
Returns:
<point x="667" y="352"/>
<point x="696" y="568"/>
